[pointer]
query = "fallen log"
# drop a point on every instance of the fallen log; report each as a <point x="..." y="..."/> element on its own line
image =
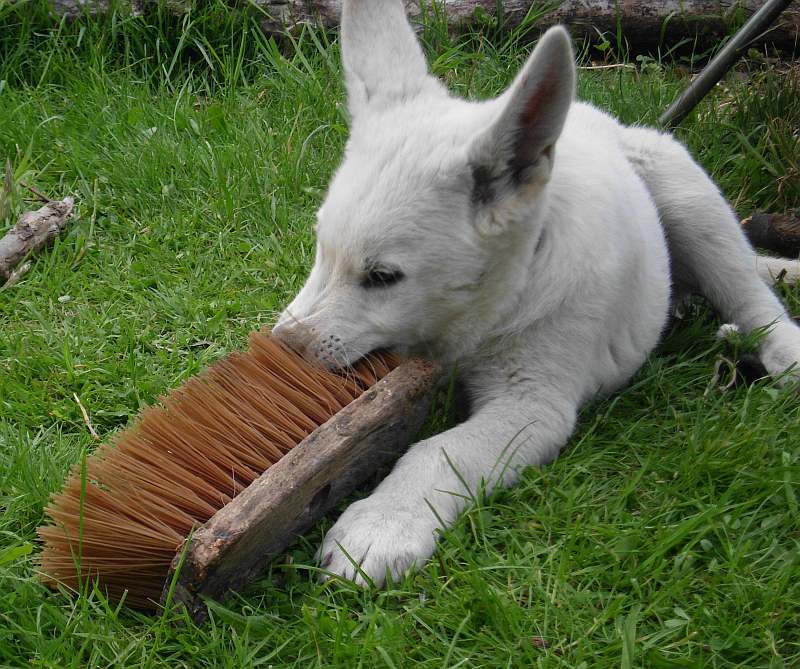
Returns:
<point x="779" y="233"/>
<point x="33" y="231"/>
<point x="644" y="23"/>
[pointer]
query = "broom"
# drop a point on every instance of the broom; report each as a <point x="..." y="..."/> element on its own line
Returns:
<point x="124" y="514"/>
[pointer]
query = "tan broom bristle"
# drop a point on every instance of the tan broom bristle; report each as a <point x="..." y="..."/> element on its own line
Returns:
<point x="122" y="516"/>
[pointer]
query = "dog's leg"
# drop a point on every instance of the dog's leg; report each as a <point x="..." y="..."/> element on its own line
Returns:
<point x="394" y="529"/>
<point x="709" y="252"/>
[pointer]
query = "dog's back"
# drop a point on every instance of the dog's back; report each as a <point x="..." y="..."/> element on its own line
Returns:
<point x="529" y="241"/>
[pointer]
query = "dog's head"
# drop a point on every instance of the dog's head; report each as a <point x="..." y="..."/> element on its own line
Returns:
<point x="435" y="199"/>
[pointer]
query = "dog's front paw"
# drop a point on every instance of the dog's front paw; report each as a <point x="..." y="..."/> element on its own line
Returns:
<point x="780" y="352"/>
<point x="374" y="537"/>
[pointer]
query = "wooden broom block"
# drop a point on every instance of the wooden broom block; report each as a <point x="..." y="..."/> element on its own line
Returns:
<point x="238" y="542"/>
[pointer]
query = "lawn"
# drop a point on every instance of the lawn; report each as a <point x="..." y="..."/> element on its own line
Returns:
<point x="666" y="536"/>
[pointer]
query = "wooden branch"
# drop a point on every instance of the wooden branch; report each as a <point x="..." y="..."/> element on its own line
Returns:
<point x="644" y="23"/>
<point x="33" y="231"/>
<point x="36" y="192"/>
<point x="779" y="233"/>
<point x="240" y="540"/>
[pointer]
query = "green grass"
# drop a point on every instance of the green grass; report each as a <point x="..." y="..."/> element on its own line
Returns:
<point x="666" y="536"/>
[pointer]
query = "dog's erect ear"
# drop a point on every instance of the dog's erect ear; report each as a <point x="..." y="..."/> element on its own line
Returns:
<point x="383" y="62"/>
<point x="516" y="150"/>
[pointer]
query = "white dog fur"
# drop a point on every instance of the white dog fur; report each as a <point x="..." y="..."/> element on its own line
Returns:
<point x="531" y="241"/>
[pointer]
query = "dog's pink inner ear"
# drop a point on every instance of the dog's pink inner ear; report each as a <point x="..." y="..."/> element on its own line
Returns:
<point x="532" y="109"/>
<point x="533" y="114"/>
<point x="535" y="128"/>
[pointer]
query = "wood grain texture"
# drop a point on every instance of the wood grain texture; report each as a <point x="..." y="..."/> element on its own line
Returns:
<point x="239" y="541"/>
<point x="33" y="231"/>
<point x="645" y="23"/>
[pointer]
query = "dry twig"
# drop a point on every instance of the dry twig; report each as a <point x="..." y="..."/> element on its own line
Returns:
<point x="36" y="192"/>
<point x="86" y="418"/>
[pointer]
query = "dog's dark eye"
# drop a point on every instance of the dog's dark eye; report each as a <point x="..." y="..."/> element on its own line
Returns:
<point x="381" y="278"/>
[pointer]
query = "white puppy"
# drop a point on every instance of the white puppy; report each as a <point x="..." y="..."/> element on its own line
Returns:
<point x="531" y="241"/>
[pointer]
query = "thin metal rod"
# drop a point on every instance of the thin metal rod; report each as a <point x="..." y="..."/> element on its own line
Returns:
<point x="722" y="62"/>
